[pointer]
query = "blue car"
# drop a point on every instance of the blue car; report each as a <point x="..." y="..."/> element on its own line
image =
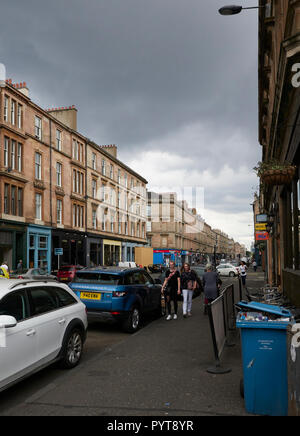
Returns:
<point x="122" y="294"/>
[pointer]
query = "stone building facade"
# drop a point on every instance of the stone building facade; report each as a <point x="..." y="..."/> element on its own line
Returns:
<point x="279" y="136"/>
<point x="60" y="190"/>
<point x="177" y="232"/>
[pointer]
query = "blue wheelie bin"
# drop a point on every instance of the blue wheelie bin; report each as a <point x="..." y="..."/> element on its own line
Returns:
<point x="264" y="354"/>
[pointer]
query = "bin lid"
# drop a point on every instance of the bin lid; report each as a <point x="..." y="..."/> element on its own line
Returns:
<point x="248" y="306"/>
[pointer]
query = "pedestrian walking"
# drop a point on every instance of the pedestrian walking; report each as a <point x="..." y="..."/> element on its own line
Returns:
<point x="5" y="269"/>
<point x="243" y="272"/>
<point x="171" y="290"/>
<point x="254" y="264"/>
<point x="20" y="267"/>
<point x="188" y="281"/>
<point x="211" y="284"/>
<point x="5" y="266"/>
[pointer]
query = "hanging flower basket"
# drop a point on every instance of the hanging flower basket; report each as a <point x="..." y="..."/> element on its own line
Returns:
<point x="275" y="173"/>
<point x="279" y="176"/>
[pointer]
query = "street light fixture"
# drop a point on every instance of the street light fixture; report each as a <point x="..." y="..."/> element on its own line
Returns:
<point x="233" y="10"/>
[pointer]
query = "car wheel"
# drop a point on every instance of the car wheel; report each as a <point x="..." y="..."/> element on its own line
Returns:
<point x="73" y="349"/>
<point x="231" y="274"/>
<point x="132" y="322"/>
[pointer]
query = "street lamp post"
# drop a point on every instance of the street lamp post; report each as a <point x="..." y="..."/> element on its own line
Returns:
<point x="233" y="10"/>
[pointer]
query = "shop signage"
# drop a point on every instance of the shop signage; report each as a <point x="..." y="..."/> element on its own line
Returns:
<point x="167" y="251"/>
<point x="262" y="236"/>
<point x="261" y="227"/>
<point x="262" y="218"/>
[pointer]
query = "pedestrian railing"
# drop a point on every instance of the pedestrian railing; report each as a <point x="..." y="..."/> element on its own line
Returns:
<point x="221" y="314"/>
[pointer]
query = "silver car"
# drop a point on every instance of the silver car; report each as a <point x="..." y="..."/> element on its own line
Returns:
<point x="36" y="274"/>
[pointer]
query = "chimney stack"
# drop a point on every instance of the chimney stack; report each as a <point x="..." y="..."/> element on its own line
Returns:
<point x="111" y="149"/>
<point x="66" y="115"/>
<point x="22" y="87"/>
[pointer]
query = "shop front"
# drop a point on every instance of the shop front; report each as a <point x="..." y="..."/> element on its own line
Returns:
<point x="12" y="243"/>
<point x="165" y="256"/>
<point x="94" y="250"/>
<point x="186" y="256"/>
<point x="111" y="252"/>
<point x="128" y="251"/>
<point x="39" y="247"/>
<point x="73" y="245"/>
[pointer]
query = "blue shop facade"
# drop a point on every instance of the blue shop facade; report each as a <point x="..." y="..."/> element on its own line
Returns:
<point x="39" y="247"/>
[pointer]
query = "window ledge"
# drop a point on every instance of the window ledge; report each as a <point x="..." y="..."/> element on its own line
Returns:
<point x="19" y="219"/>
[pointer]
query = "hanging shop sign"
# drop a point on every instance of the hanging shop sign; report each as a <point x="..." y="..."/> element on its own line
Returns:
<point x="261" y="227"/>
<point x="262" y="236"/>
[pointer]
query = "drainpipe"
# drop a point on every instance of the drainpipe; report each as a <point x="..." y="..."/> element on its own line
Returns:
<point x="87" y="255"/>
<point x="51" y="220"/>
<point x="50" y="127"/>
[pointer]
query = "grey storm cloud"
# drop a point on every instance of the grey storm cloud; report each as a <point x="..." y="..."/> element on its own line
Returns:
<point x="140" y="71"/>
<point x="136" y="68"/>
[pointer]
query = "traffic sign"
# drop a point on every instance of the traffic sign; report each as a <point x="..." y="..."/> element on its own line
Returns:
<point x="58" y="251"/>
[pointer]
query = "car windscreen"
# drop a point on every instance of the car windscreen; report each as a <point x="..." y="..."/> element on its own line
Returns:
<point x="99" y="278"/>
<point x="66" y="268"/>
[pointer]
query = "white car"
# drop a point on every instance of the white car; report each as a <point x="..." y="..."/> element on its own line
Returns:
<point x="40" y="322"/>
<point x="127" y="264"/>
<point x="226" y="269"/>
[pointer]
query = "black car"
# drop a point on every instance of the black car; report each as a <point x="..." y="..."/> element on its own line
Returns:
<point x="156" y="268"/>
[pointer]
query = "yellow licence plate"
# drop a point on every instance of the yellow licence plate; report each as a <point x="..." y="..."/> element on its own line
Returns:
<point x="90" y="296"/>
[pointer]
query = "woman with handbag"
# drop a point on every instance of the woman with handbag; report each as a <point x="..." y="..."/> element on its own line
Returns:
<point x="171" y="290"/>
<point x="188" y="281"/>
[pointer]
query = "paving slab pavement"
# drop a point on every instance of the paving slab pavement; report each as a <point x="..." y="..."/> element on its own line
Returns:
<point x="159" y="371"/>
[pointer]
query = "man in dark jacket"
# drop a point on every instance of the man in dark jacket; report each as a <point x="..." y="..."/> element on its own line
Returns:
<point x="211" y="285"/>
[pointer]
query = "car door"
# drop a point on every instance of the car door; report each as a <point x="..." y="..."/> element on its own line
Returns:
<point x="19" y="356"/>
<point x="141" y="289"/>
<point x="68" y="309"/>
<point x="220" y="270"/>
<point x="224" y="270"/>
<point x="153" y="291"/>
<point x="45" y="307"/>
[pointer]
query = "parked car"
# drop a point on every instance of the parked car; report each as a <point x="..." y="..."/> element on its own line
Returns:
<point x="67" y="273"/>
<point x="35" y="274"/>
<point x="44" y="322"/>
<point x="156" y="268"/>
<point x="199" y="270"/>
<point x="114" y="293"/>
<point x="128" y="264"/>
<point x="234" y="263"/>
<point x="227" y="269"/>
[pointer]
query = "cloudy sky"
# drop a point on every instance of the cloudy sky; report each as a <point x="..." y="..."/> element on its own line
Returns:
<point x="171" y="82"/>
